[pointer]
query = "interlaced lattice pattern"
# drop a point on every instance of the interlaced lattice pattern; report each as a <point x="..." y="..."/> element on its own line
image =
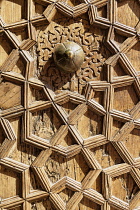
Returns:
<point x="76" y="129"/>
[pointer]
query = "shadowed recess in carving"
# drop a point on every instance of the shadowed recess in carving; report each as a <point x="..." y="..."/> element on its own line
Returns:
<point x="69" y="106"/>
<point x="20" y="32"/>
<point x="119" y="38"/>
<point x="34" y="184"/>
<point x="102" y="11"/>
<point x="2" y="136"/>
<point x="97" y="185"/>
<point x="74" y="2"/>
<point x="98" y="96"/>
<point x="36" y="94"/>
<point x="118" y="70"/>
<point x="20" y="66"/>
<point x="37" y="9"/>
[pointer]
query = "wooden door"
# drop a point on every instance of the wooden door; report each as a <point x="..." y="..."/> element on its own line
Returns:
<point x="70" y="141"/>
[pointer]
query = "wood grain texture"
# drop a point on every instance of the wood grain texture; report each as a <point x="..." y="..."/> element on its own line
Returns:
<point x="69" y="141"/>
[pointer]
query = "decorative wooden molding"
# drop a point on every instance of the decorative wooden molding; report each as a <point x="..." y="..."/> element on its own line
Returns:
<point x="66" y="182"/>
<point x="36" y="195"/>
<point x="11" y="61"/>
<point x="78" y="89"/>
<point x="57" y="201"/>
<point x="67" y="152"/>
<point x="117" y="170"/>
<point x="11" y="202"/>
<point x="94" y="196"/>
<point x="80" y="9"/>
<point x="96" y="107"/>
<point x="8" y="162"/>
<point x="10" y="138"/>
<point x="117" y="203"/>
<point x="74" y="200"/>
<point x="43" y="156"/>
<point x="77" y="113"/>
<point x="124" y="153"/>
<point x="60" y="134"/>
<point x="92" y="162"/>
<point x="95" y="141"/>
<point x="135" y="173"/>
<point x="50" y="12"/>
<point x="27" y="44"/>
<point x="134" y="204"/>
<point x="65" y="9"/>
<point x="124" y="131"/>
<point x="79" y="139"/>
<point x="90" y="179"/>
<point x="69" y="96"/>
<point x="128" y="44"/>
<point x="43" y="178"/>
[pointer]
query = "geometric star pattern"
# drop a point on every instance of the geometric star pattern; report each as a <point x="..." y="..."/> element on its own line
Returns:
<point x="47" y="121"/>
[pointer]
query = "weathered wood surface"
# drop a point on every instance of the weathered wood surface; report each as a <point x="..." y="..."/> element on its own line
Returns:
<point x="70" y="141"/>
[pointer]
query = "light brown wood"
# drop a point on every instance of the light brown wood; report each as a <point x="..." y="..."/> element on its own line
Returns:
<point x="70" y="141"/>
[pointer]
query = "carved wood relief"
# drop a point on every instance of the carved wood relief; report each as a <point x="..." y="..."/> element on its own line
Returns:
<point x="70" y="141"/>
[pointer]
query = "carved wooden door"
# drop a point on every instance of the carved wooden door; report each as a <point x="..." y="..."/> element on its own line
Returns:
<point x="70" y="141"/>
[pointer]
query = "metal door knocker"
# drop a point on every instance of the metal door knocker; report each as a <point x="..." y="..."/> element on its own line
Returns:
<point x="68" y="56"/>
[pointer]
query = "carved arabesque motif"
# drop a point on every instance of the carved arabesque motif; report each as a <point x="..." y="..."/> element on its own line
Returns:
<point x="30" y="140"/>
<point x="81" y="32"/>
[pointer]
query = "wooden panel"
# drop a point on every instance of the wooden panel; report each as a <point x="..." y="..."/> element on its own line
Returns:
<point x="92" y="68"/>
<point x="90" y="124"/>
<point x="21" y="152"/>
<point x="9" y="90"/>
<point x="15" y="9"/>
<point x="109" y="155"/>
<point x="57" y="167"/>
<point x="69" y="141"/>
<point x="19" y="207"/>
<point x="45" y="123"/>
<point x="43" y="205"/>
<point x="126" y="97"/>
<point x="126" y="185"/>
<point x="11" y="181"/>
<point x="134" y="56"/>
<point x="87" y="204"/>
<point x="5" y="48"/>
<point x="134" y="148"/>
<point x="131" y="8"/>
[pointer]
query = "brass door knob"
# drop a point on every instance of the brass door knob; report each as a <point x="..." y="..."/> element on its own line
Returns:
<point x="68" y="56"/>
